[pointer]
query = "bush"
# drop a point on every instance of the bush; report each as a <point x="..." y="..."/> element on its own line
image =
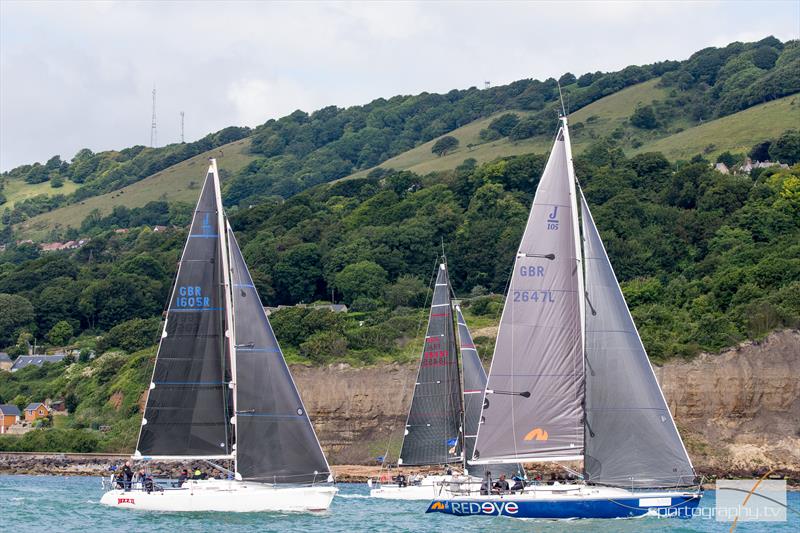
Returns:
<point x="504" y="124"/>
<point x="51" y="440"/>
<point x="60" y="333"/>
<point x="323" y="346"/>
<point x="644" y="117"/>
<point x="132" y="335"/>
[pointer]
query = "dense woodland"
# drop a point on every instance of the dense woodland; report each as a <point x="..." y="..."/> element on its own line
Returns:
<point x="705" y="259"/>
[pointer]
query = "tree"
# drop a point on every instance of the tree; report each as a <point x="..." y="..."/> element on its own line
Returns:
<point x="364" y="278"/>
<point x="71" y="402"/>
<point x="406" y="291"/>
<point x="131" y="335"/>
<point x="444" y="145"/>
<point x="786" y="148"/>
<point x="56" y="181"/>
<point x="60" y="333"/>
<point x="504" y="124"/>
<point x="644" y="117"/>
<point x="567" y="79"/>
<point x="760" y="151"/>
<point x="727" y="158"/>
<point x="16" y="312"/>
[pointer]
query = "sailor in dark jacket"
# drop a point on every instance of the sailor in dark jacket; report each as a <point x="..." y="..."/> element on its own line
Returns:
<point x="127" y="473"/>
<point x="501" y="485"/>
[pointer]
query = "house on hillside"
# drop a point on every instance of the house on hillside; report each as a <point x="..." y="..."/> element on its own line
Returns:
<point x="5" y="362"/>
<point x="121" y="230"/>
<point x="722" y="167"/>
<point x="159" y="229"/>
<point x="36" y="411"/>
<point x="9" y="415"/>
<point x="38" y="360"/>
<point x="52" y="246"/>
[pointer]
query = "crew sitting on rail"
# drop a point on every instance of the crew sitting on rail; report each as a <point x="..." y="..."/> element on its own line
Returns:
<point x="500" y="486"/>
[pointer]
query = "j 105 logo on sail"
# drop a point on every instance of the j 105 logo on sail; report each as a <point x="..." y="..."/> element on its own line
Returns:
<point x="125" y="500"/>
<point x="536" y="434"/>
<point x="552" y="221"/>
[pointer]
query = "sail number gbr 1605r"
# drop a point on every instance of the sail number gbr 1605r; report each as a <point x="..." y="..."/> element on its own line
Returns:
<point x="534" y="296"/>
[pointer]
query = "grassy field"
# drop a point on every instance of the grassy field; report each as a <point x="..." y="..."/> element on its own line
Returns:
<point x="18" y="190"/>
<point x="737" y="132"/>
<point x="173" y="184"/>
<point x="607" y="113"/>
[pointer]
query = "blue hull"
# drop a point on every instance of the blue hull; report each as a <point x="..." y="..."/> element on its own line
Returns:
<point x="679" y="506"/>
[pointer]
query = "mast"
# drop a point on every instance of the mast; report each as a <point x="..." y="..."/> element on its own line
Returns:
<point x="226" y="286"/>
<point x="461" y="408"/>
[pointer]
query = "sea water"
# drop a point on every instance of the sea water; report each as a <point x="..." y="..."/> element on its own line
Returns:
<point x="54" y="504"/>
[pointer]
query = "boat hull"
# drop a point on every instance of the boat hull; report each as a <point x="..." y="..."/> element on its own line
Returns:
<point x="224" y="496"/>
<point x="431" y="487"/>
<point x="614" y="503"/>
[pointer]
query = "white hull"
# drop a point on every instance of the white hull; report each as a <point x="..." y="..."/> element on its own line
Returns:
<point x="429" y="488"/>
<point x="224" y="496"/>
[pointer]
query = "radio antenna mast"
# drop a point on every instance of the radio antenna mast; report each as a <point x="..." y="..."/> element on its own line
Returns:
<point x="153" y="132"/>
<point x="181" y="127"/>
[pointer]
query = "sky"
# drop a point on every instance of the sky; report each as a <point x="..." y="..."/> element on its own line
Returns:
<point x="79" y="75"/>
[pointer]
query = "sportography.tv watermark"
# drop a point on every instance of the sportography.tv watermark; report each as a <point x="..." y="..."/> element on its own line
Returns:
<point x="740" y="500"/>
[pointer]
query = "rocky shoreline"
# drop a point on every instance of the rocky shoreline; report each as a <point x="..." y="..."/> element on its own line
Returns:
<point x="99" y="465"/>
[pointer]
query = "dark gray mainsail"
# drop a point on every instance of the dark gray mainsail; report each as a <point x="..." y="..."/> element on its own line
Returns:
<point x="533" y="402"/>
<point x="631" y="439"/>
<point x="474" y="377"/>
<point x="188" y="404"/>
<point x="432" y="429"/>
<point x="276" y="442"/>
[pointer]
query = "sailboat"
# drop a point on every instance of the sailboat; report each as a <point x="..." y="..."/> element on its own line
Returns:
<point x="443" y="417"/>
<point x="570" y="385"/>
<point x="221" y="390"/>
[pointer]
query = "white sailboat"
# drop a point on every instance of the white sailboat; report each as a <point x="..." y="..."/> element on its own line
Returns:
<point x="444" y="414"/>
<point x="567" y="385"/>
<point x="221" y="390"/>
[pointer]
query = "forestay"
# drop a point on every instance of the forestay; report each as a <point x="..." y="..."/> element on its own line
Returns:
<point x="432" y="429"/>
<point x="533" y="403"/>
<point x="632" y="440"/>
<point x="275" y="439"/>
<point x="187" y="408"/>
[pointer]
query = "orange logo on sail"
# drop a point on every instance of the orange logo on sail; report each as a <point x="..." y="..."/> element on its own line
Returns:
<point x="437" y="505"/>
<point x="536" y="434"/>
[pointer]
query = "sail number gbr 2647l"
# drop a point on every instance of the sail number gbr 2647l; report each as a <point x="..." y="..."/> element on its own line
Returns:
<point x="534" y="296"/>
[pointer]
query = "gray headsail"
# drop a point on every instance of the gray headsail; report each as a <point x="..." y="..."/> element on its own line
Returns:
<point x="276" y="442"/>
<point x="631" y="438"/>
<point x="533" y="402"/>
<point x="434" y="420"/>
<point x="188" y="405"/>
<point x="474" y="377"/>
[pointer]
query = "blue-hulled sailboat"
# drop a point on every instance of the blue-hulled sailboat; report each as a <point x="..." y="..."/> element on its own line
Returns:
<point x="570" y="379"/>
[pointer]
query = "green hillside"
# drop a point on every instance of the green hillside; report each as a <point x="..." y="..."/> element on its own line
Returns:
<point x="178" y="183"/>
<point x="639" y="108"/>
<point x="734" y="133"/>
<point x="608" y="113"/>
<point x="17" y="190"/>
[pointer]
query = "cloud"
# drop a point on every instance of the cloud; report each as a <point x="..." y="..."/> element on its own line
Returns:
<point x="80" y="74"/>
<point x="255" y="100"/>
